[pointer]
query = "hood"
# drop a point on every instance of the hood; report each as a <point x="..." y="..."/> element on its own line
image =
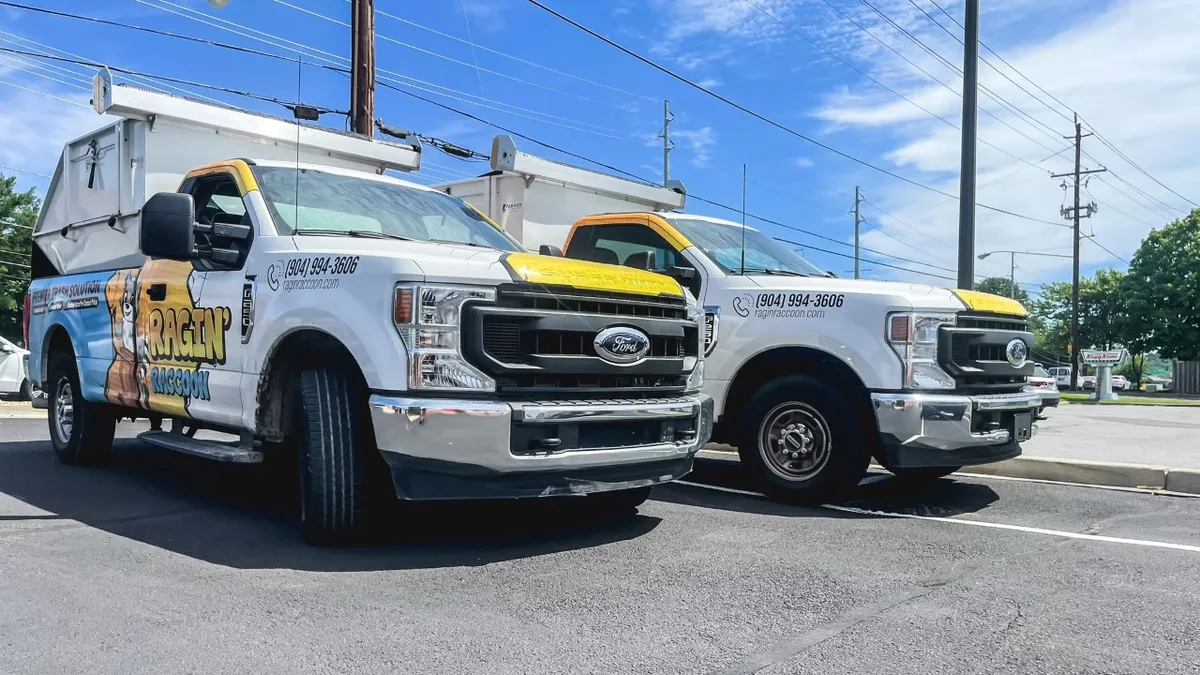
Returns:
<point x="455" y="263"/>
<point x="920" y="296"/>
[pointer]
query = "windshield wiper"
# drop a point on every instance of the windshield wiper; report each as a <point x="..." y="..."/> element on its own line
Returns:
<point x="364" y="234"/>
<point x="767" y="270"/>
<point x="459" y="243"/>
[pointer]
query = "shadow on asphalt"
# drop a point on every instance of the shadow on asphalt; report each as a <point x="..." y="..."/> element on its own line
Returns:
<point x="244" y="517"/>
<point x="878" y="492"/>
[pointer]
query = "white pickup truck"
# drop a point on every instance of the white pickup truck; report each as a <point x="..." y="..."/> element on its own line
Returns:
<point x="388" y="337"/>
<point x="813" y="376"/>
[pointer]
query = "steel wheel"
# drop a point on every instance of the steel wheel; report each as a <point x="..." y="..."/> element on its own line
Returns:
<point x="64" y="409"/>
<point x="794" y="441"/>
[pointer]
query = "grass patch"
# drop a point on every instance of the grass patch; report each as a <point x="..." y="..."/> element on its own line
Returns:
<point x="1076" y="397"/>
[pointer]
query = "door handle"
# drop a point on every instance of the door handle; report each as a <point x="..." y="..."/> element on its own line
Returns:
<point x="157" y="292"/>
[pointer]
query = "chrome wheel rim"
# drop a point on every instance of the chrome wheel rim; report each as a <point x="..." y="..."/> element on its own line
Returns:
<point x="794" y="441"/>
<point x="64" y="410"/>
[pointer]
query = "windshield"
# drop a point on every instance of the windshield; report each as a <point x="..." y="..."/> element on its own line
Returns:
<point x="332" y="203"/>
<point x="723" y="244"/>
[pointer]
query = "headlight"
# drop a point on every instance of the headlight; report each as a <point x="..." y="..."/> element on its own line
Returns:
<point x="429" y="321"/>
<point x="914" y="338"/>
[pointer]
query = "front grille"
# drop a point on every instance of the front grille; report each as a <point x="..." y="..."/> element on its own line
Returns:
<point x="974" y="353"/>
<point x="536" y="340"/>
<point x="593" y="302"/>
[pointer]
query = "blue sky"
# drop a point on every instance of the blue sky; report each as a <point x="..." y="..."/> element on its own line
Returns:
<point x="1127" y="67"/>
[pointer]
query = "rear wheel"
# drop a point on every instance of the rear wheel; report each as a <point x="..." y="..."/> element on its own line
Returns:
<point x="800" y="441"/>
<point x="80" y="431"/>
<point x="332" y="450"/>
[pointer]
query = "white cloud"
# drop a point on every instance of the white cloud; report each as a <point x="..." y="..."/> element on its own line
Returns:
<point x="802" y="163"/>
<point x="35" y="126"/>
<point x="698" y="143"/>
<point x="728" y="18"/>
<point x="1131" y="71"/>
<point x="710" y="83"/>
<point x="484" y="16"/>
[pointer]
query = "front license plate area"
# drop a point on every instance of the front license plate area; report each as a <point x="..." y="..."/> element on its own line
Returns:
<point x="1022" y="427"/>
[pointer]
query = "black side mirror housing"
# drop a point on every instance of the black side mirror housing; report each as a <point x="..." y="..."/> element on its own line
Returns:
<point x="553" y="251"/>
<point x="831" y="274"/>
<point x="169" y="226"/>
<point x="681" y="273"/>
<point x="642" y="260"/>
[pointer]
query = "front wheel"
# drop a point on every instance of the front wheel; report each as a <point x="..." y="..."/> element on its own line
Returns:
<point x="800" y="441"/>
<point x="80" y="431"/>
<point x="332" y="457"/>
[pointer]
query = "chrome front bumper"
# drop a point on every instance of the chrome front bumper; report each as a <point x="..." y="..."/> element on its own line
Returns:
<point x="474" y="438"/>
<point x="939" y="429"/>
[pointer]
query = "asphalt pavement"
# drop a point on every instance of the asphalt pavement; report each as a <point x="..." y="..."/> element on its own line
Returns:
<point x="163" y="563"/>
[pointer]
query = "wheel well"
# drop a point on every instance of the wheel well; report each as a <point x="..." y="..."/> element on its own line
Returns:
<point x="58" y="340"/>
<point x="774" y="363"/>
<point x="277" y="382"/>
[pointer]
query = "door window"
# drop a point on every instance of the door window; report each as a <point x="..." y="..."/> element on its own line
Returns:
<point x="219" y="202"/>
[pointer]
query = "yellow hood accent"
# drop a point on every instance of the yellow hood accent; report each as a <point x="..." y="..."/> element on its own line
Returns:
<point x="986" y="302"/>
<point x="591" y="276"/>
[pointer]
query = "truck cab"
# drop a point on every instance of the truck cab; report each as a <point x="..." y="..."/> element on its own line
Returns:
<point x="814" y="376"/>
<point x="300" y="305"/>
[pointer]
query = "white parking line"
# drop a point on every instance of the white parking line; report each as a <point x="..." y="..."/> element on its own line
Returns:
<point x="974" y="523"/>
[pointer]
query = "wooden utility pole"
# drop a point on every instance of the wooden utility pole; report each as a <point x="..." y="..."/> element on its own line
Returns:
<point x="362" y="66"/>
<point x="1073" y="214"/>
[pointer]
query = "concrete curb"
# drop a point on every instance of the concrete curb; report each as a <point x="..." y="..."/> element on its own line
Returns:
<point x="1077" y="471"/>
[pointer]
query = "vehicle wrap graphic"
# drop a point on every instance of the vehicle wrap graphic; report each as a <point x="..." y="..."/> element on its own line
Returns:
<point x="138" y="347"/>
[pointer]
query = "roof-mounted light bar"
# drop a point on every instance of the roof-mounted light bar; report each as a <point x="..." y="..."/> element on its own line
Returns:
<point x="506" y="157"/>
<point x="139" y="104"/>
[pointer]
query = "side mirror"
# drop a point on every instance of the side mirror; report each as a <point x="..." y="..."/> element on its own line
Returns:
<point x="681" y="273"/>
<point x="547" y="249"/>
<point x="169" y="226"/>
<point x="831" y="274"/>
<point x="642" y="260"/>
<point x="7" y="349"/>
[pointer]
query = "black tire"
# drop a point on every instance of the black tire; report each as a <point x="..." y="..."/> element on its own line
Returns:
<point x="830" y="453"/>
<point x="618" y="502"/>
<point x="26" y="391"/>
<point x="80" y="431"/>
<point x="331" y="439"/>
<point x="924" y="474"/>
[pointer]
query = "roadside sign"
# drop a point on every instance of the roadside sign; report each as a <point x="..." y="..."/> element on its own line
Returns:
<point x="1109" y="357"/>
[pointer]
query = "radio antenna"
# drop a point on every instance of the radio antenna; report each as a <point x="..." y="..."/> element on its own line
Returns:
<point x="743" y="219"/>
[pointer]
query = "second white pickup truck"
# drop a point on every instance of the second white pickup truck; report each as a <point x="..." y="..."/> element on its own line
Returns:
<point x="812" y="376"/>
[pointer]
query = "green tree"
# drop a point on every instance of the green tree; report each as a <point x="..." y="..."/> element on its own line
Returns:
<point x="1050" y="319"/>
<point x="1002" y="286"/>
<point x="1163" y="286"/>
<point x="18" y="212"/>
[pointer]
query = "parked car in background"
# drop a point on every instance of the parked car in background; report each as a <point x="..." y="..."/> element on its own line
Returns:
<point x="1120" y="383"/>
<point x="1046" y="386"/>
<point x="1061" y="375"/>
<point x="1087" y="382"/>
<point x="13" y="381"/>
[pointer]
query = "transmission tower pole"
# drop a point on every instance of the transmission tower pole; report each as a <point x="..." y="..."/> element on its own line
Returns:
<point x="857" y="226"/>
<point x="970" y="117"/>
<point x="1074" y="213"/>
<point x="668" y="146"/>
<point x="362" y="66"/>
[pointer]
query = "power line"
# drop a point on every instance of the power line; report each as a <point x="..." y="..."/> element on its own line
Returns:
<point x="769" y="121"/>
<point x="9" y="276"/>
<point x="1150" y="208"/>
<point x="846" y="255"/>
<point x="989" y="64"/>
<point x="31" y="173"/>
<point x="1098" y="135"/>
<point x="1106" y="249"/>
<point x="883" y="86"/>
<point x="510" y="56"/>
<point x="35" y="91"/>
<point x="164" y="78"/>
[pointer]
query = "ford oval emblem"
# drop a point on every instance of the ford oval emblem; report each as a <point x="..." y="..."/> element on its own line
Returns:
<point x="621" y="345"/>
<point x="1016" y="352"/>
